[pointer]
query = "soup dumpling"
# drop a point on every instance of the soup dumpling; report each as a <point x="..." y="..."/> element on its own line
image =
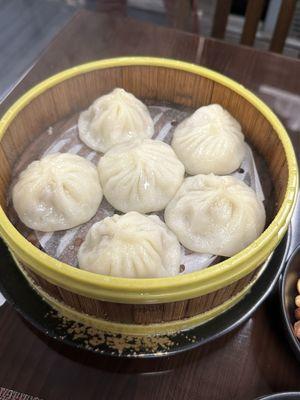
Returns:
<point x="113" y="119"/>
<point x="58" y="192"/>
<point x="209" y="141"/>
<point x="131" y="246"/>
<point x="217" y="215"/>
<point x="142" y="175"/>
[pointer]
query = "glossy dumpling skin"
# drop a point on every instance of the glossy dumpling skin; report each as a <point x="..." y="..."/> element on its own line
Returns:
<point x="209" y="141"/>
<point x="131" y="246"/>
<point x="217" y="215"/>
<point x="113" y="119"/>
<point x="58" y="192"/>
<point x="142" y="175"/>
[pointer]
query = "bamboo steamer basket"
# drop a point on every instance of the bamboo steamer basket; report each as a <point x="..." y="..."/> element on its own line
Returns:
<point x="160" y="305"/>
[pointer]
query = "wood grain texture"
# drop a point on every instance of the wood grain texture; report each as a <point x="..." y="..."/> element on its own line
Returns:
<point x="250" y="362"/>
<point x="141" y="314"/>
<point x="282" y="26"/>
<point x="155" y="84"/>
<point x="220" y="18"/>
<point x="258" y="71"/>
<point x="104" y="37"/>
<point x="252" y="18"/>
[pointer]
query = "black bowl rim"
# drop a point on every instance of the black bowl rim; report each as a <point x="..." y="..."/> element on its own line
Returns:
<point x="281" y="396"/>
<point x="223" y="324"/>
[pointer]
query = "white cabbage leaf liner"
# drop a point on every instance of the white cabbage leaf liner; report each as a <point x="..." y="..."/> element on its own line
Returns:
<point x="64" y="245"/>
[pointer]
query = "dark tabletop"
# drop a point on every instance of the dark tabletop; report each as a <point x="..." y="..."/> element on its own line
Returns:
<point x="253" y="360"/>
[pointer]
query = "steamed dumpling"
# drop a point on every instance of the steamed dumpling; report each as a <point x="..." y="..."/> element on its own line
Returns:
<point x="209" y="141"/>
<point x="58" y="192"/>
<point x="142" y="175"/>
<point x="217" y="215"/>
<point x="131" y="246"/>
<point x="113" y="119"/>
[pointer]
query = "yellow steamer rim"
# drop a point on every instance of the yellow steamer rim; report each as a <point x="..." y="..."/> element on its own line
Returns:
<point x="155" y="290"/>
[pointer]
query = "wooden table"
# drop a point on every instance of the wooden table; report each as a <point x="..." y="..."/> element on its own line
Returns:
<point x="252" y="361"/>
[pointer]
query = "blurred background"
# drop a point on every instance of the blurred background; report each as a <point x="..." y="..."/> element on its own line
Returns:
<point x="27" y="26"/>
